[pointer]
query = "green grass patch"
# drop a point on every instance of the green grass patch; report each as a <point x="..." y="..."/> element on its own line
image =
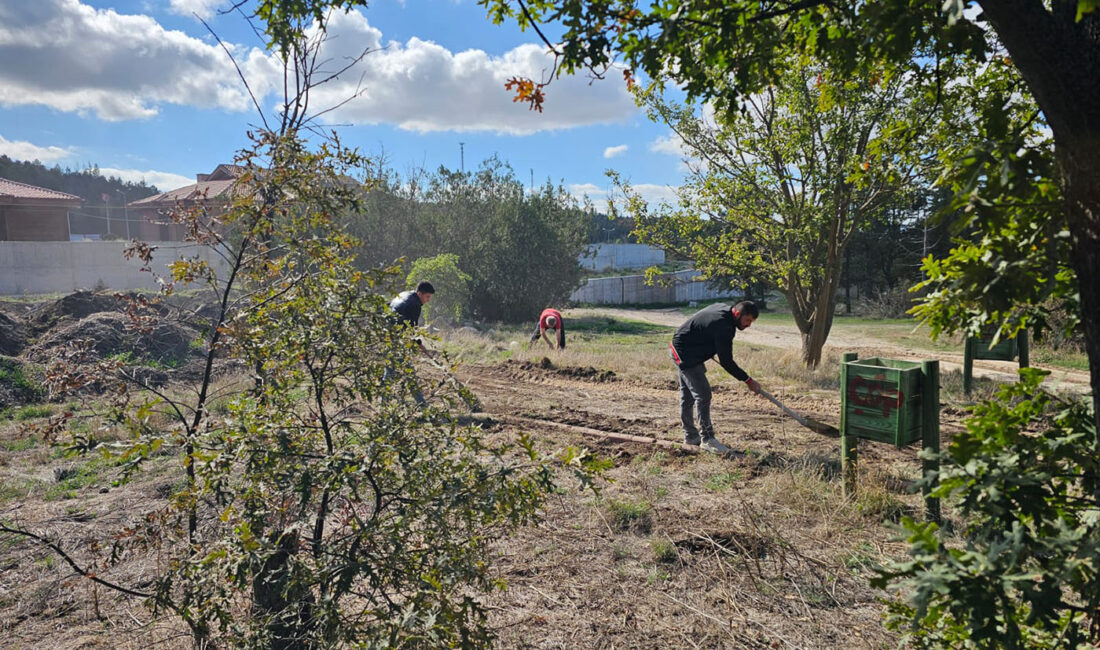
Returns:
<point x="631" y="515"/>
<point x="12" y="374"/>
<point x="664" y="550"/>
<point x="69" y="480"/>
<point x="722" y="481"/>
<point x="1066" y="358"/>
<point x="163" y="363"/>
<point x="32" y="412"/>
<point x="19" y="444"/>
<point x="605" y="325"/>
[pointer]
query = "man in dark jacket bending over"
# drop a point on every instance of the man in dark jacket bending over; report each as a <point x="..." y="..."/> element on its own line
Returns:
<point x="709" y="332"/>
<point x="407" y="307"/>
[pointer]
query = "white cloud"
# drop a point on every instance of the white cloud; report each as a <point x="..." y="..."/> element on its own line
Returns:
<point x="73" y="57"/>
<point x="201" y="8"/>
<point x="670" y="144"/>
<point x="422" y="86"/>
<point x="617" y="150"/>
<point x="23" y="150"/>
<point x="164" y="181"/>
<point x="601" y="196"/>
<point x="654" y="194"/>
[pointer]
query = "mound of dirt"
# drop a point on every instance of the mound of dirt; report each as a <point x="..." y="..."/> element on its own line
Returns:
<point x="106" y="331"/>
<point x="524" y="369"/>
<point x="74" y="306"/>
<point x="164" y="342"/>
<point x="13" y="337"/>
<point x="111" y="334"/>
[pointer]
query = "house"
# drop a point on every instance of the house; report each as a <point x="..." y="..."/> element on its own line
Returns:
<point x="29" y="213"/>
<point x="150" y="217"/>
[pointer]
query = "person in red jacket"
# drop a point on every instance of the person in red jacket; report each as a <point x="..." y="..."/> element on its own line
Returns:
<point x="708" y="333"/>
<point x="549" y="319"/>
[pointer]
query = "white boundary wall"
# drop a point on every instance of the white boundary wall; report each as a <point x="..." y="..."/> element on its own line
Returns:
<point x="601" y="257"/>
<point x="31" y="267"/>
<point x="632" y="289"/>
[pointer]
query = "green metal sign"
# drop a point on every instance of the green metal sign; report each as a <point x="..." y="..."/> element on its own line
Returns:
<point x="891" y="401"/>
<point x="983" y="347"/>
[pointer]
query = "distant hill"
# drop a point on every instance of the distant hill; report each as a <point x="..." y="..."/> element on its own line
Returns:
<point x="89" y="184"/>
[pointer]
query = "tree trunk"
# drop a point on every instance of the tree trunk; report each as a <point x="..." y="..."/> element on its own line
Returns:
<point x="1081" y="169"/>
<point x="278" y="597"/>
<point x="1059" y="58"/>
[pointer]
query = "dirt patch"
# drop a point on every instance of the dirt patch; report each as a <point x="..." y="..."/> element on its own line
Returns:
<point x="601" y="421"/>
<point x="13" y="336"/>
<point x="735" y="542"/>
<point x="527" y="369"/>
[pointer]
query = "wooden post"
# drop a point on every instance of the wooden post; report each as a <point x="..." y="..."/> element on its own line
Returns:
<point x="849" y="445"/>
<point x="930" y="429"/>
<point x="1021" y="345"/>
<point x="968" y="363"/>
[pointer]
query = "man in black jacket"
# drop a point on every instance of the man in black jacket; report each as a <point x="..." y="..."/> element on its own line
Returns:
<point x="709" y="332"/>
<point x="407" y="306"/>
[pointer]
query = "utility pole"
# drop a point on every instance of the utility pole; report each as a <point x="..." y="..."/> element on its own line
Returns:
<point x="125" y="212"/>
<point x="532" y="180"/>
<point x="462" y="156"/>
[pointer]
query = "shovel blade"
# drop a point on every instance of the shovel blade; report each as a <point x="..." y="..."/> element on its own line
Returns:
<point x="822" y="428"/>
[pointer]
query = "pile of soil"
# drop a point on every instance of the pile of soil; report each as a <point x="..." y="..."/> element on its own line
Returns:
<point x="111" y="334"/>
<point x="74" y="306"/>
<point x="106" y="331"/>
<point x="165" y="341"/>
<point x="527" y="369"/>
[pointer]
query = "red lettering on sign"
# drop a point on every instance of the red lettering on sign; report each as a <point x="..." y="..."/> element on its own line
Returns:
<point x="874" y="393"/>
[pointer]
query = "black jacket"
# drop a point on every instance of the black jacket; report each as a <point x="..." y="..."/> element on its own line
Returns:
<point x="407" y="305"/>
<point x="710" y="331"/>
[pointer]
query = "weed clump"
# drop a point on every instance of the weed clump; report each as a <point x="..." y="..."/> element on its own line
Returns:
<point x="630" y="516"/>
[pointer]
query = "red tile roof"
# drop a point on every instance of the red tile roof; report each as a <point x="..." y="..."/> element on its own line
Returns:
<point x="205" y="190"/>
<point x="218" y="185"/>
<point x="12" y="190"/>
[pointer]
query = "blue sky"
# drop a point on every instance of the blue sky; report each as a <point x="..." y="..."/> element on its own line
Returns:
<point x="141" y="88"/>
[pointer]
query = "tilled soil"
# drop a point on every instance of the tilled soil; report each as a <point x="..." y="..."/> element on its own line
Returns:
<point x="760" y="551"/>
<point x="713" y="569"/>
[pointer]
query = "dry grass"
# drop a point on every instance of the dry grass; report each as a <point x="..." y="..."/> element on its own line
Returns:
<point x="676" y="550"/>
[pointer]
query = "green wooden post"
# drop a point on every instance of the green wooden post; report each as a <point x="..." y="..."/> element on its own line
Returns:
<point x="968" y="364"/>
<point x="1021" y="343"/>
<point x="849" y="445"/>
<point x="930" y="429"/>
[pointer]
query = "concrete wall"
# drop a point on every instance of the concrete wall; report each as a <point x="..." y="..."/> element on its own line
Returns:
<point x="50" y="267"/>
<point x="632" y="289"/>
<point x="621" y="256"/>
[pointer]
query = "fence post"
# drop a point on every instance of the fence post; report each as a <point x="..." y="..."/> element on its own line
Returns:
<point x="849" y="445"/>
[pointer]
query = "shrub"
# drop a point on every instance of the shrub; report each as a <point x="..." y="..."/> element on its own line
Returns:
<point x="451" y="301"/>
<point x="1025" y="477"/>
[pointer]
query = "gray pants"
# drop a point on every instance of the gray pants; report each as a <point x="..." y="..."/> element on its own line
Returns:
<point x="695" y="392"/>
